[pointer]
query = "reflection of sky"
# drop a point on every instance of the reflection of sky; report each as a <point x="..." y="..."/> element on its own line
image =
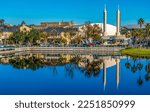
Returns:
<point x="43" y="81"/>
<point x="128" y="80"/>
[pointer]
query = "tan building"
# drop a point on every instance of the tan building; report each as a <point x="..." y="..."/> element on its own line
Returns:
<point x="5" y="35"/>
<point x="38" y="27"/>
<point x="56" y="24"/>
<point x="45" y="25"/>
<point x="24" y="28"/>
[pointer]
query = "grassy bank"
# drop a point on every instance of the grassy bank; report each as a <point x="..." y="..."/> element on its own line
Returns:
<point x="136" y="52"/>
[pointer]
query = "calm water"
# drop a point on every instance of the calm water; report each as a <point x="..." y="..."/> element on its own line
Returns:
<point x="47" y="74"/>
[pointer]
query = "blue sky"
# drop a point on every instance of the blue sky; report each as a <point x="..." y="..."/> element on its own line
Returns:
<point x="79" y="11"/>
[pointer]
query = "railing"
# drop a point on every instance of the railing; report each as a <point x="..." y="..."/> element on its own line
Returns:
<point x="113" y="49"/>
<point x="73" y="50"/>
<point x="82" y="50"/>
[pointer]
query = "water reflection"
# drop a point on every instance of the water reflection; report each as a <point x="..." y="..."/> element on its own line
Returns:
<point x="91" y="66"/>
<point x="136" y="66"/>
<point x="147" y="68"/>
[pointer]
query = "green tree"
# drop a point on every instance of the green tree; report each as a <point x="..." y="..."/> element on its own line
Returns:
<point x="27" y="38"/>
<point x="17" y="38"/>
<point x="2" y="22"/>
<point x="92" y="31"/>
<point x="34" y="37"/>
<point x="141" y="22"/>
<point x="44" y="36"/>
<point x="23" y="23"/>
<point x="148" y="30"/>
<point x="147" y="33"/>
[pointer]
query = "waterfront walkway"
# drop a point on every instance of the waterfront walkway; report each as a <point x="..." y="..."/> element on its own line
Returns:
<point x="73" y="50"/>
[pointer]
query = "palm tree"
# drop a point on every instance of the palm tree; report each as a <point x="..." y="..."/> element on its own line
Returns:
<point x="148" y="33"/>
<point x="134" y="34"/>
<point x="140" y="34"/>
<point x="2" y="22"/>
<point x="141" y="22"/>
<point x="23" y="23"/>
<point x="148" y="29"/>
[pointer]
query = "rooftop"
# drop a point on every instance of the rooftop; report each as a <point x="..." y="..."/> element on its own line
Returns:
<point x="134" y="26"/>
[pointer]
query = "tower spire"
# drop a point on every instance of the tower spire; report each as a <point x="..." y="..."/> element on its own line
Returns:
<point x="105" y="7"/>
<point x="118" y="22"/>
<point x="105" y="21"/>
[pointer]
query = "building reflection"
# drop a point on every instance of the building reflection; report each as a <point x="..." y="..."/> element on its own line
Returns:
<point x="118" y="72"/>
<point x="104" y="73"/>
<point x="107" y="63"/>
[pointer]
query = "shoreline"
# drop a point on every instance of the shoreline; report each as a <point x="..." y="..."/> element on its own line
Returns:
<point x="141" y="52"/>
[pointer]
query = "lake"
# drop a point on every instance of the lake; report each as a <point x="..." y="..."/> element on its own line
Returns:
<point x="62" y="74"/>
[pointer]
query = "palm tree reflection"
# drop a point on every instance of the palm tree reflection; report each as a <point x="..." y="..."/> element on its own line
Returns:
<point x="140" y="81"/>
<point x="138" y="67"/>
<point x="147" y="68"/>
<point x="69" y="69"/>
<point x="134" y="67"/>
<point x="127" y="64"/>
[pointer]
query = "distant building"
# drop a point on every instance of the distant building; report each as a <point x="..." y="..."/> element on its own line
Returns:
<point x="60" y="32"/>
<point x="133" y="26"/>
<point x="56" y="24"/>
<point x="45" y="25"/>
<point x="24" y="28"/>
<point x="5" y="33"/>
<point x="37" y="27"/>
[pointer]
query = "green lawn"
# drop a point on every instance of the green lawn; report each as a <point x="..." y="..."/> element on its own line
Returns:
<point x="136" y="52"/>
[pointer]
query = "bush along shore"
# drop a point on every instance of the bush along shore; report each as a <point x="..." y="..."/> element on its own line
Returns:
<point x="140" y="52"/>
